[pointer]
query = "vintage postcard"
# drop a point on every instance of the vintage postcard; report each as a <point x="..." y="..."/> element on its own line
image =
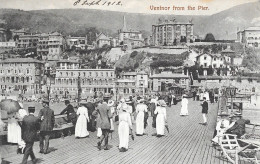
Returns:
<point x="129" y="81"/>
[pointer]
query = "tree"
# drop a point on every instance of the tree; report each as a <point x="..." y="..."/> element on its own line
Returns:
<point x="136" y="65"/>
<point x="209" y="37"/>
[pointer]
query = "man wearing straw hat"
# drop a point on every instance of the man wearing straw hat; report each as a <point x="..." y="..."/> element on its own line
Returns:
<point x="239" y="125"/>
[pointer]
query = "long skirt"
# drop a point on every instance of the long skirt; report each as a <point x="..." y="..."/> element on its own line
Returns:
<point x="123" y="132"/>
<point x="140" y="123"/>
<point x="99" y="132"/>
<point x="160" y="124"/>
<point x="81" y="127"/>
<point x="184" y="110"/>
<point x="14" y="134"/>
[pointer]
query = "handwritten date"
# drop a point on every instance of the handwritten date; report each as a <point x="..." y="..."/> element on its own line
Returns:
<point x="97" y="2"/>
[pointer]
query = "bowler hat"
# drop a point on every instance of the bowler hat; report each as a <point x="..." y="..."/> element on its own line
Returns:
<point x="31" y="109"/>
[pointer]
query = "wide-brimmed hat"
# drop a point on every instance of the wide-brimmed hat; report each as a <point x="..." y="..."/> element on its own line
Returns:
<point x="83" y="102"/>
<point x="141" y="101"/>
<point x="162" y="103"/>
<point x="122" y="100"/>
<point x="98" y="100"/>
<point x="45" y="100"/>
<point x="110" y="103"/>
<point x="127" y="101"/>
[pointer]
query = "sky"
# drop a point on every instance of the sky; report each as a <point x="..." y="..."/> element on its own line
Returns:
<point x="133" y="6"/>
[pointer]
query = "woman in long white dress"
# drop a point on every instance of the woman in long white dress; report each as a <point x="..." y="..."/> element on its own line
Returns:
<point x="184" y="106"/>
<point x="161" y="117"/>
<point x="81" y="125"/>
<point x="140" y="109"/>
<point x="123" y="129"/>
<point x="112" y="110"/>
<point x="14" y="134"/>
<point x="21" y="113"/>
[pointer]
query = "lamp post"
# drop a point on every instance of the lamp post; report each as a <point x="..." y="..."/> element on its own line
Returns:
<point x="116" y="92"/>
<point x="231" y="91"/>
<point x="79" y="89"/>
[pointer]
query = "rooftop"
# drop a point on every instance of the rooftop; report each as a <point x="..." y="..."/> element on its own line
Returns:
<point x="21" y="60"/>
<point x="130" y="74"/>
<point x="169" y="75"/>
<point x="253" y="28"/>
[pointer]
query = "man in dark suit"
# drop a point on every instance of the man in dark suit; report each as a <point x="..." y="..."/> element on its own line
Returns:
<point x="105" y="114"/>
<point x="204" y="110"/>
<point x="30" y="126"/>
<point x="46" y="116"/>
<point x="71" y="114"/>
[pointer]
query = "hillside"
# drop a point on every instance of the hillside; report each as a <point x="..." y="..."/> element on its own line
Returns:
<point x="68" y="21"/>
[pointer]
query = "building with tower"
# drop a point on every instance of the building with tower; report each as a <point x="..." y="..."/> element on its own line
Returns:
<point x="130" y="38"/>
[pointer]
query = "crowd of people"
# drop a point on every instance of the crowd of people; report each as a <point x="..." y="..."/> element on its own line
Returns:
<point x="99" y="115"/>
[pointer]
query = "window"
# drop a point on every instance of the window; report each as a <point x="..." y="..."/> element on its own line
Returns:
<point x="205" y="64"/>
<point x="214" y="59"/>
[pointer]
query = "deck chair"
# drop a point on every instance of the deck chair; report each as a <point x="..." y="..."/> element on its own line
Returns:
<point x="233" y="152"/>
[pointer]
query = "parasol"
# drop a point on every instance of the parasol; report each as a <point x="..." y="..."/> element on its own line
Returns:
<point x="10" y="106"/>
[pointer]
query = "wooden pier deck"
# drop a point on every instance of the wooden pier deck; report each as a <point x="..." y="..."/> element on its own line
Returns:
<point x="187" y="143"/>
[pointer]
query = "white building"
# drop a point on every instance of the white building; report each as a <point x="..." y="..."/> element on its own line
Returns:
<point x="56" y="46"/>
<point x="78" y="42"/>
<point x="214" y="60"/>
<point x="102" y="40"/>
<point x="10" y="44"/>
<point x="169" y="78"/>
<point x="250" y="36"/>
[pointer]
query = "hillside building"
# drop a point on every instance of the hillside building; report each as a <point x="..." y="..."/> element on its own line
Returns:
<point x="102" y="40"/>
<point x="56" y="45"/>
<point x="77" y="42"/>
<point x="21" y="74"/>
<point x="42" y="46"/>
<point x="170" y="33"/>
<point x="27" y="41"/>
<point x="130" y="38"/>
<point x="250" y="36"/>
